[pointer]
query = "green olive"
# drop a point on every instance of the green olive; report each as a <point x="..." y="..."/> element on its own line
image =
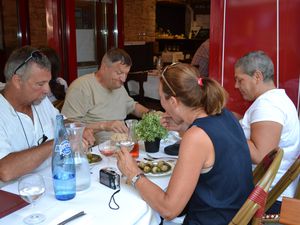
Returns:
<point x="160" y="163"/>
<point x="156" y="169"/>
<point x="141" y="165"/>
<point x="164" y="168"/>
<point x="147" y="169"/>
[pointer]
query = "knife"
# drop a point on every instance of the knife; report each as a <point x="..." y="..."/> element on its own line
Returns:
<point x="82" y="213"/>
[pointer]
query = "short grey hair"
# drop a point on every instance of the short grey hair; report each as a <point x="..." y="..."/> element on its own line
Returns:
<point x="18" y="56"/>
<point x="256" y="60"/>
<point x="117" y="55"/>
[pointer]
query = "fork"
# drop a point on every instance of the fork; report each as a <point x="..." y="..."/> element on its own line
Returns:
<point x="163" y="157"/>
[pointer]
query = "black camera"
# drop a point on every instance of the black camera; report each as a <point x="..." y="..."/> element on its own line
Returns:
<point x="109" y="178"/>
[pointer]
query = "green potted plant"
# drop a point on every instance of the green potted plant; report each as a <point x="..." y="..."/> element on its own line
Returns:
<point x="150" y="131"/>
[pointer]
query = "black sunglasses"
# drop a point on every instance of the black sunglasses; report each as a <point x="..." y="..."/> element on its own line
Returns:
<point x="34" y="55"/>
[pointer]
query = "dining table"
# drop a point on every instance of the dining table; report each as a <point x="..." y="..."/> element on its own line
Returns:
<point x="94" y="201"/>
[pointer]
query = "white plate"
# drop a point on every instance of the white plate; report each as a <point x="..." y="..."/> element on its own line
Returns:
<point x="163" y="173"/>
<point x="97" y="159"/>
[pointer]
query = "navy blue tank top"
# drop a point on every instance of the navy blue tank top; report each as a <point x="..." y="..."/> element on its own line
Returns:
<point x="222" y="191"/>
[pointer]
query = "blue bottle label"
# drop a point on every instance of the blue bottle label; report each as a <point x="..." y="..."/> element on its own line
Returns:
<point x="64" y="148"/>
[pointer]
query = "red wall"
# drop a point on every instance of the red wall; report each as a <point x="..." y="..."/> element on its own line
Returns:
<point x="238" y="27"/>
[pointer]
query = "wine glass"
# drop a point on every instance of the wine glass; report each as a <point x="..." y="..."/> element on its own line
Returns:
<point x="31" y="188"/>
<point x="128" y="144"/>
<point x="108" y="149"/>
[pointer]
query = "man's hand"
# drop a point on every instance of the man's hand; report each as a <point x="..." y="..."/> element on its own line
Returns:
<point x="88" y="137"/>
<point x="116" y="126"/>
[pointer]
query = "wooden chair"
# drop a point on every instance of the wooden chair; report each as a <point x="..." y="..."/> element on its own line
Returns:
<point x="290" y="175"/>
<point x="263" y="166"/>
<point x="254" y="206"/>
<point x="275" y="218"/>
<point x="139" y="77"/>
<point x="58" y="104"/>
<point x="142" y="77"/>
<point x="297" y="194"/>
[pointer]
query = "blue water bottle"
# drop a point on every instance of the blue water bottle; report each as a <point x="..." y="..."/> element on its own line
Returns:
<point x="63" y="166"/>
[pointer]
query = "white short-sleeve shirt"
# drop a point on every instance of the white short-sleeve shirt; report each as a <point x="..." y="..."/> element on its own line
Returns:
<point x="16" y="133"/>
<point x="275" y="105"/>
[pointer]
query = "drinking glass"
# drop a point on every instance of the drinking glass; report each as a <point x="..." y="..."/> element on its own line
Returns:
<point x="31" y="188"/>
<point x="83" y="176"/>
<point x="131" y="138"/>
<point x="108" y="149"/>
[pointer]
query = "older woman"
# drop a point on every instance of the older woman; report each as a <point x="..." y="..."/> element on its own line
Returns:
<point x="272" y="118"/>
<point x="213" y="172"/>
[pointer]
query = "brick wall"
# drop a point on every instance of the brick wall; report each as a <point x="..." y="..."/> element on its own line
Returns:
<point x="38" y="26"/>
<point x="10" y="25"/>
<point x="37" y="23"/>
<point x="139" y="20"/>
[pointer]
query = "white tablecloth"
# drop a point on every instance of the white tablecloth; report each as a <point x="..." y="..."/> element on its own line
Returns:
<point x="150" y="86"/>
<point x="93" y="201"/>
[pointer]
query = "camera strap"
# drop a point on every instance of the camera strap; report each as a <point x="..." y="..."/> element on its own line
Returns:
<point x="112" y="199"/>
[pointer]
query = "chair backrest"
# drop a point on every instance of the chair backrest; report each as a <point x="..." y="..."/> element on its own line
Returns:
<point x="297" y="193"/>
<point x="290" y="175"/>
<point x="254" y="206"/>
<point x="139" y="77"/>
<point x="263" y="166"/>
<point x="58" y="104"/>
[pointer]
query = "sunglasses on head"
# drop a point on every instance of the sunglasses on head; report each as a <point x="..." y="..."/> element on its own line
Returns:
<point x="34" y="55"/>
<point x="165" y="80"/>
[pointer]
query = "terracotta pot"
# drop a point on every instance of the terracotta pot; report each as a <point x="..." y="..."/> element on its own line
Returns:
<point x="152" y="146"/>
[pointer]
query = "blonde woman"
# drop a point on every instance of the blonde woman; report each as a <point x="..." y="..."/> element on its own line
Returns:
<point x="213" y="174"/>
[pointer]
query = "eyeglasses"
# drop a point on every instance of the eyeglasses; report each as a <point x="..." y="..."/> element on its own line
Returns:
<point x="42" y="140"/>
<point x="165" y="80"/>
<point x="34" y="55"/>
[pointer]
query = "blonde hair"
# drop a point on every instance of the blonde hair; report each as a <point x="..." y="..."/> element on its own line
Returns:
<point x="182" y="81"/>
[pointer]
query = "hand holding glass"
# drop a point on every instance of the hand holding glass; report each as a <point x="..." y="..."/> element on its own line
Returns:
<point x="31" y="188"/>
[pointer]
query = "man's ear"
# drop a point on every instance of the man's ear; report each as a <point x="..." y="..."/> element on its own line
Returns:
<point x="16" y="80"/>
<point x="258" y="76"/>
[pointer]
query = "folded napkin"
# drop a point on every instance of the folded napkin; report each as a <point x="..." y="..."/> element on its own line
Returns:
<point x="10" y="203"/>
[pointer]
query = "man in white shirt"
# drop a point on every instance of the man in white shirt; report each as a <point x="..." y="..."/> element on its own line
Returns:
<point x="272" y="119"/>
<point x="27" y="117"/>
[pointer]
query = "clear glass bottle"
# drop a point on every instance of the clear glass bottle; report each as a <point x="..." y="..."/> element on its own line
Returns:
<point x="83" y="176"/>
<point x="63" y="166"/>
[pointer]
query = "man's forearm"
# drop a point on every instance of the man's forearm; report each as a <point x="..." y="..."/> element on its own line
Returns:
<point x="140" y="110"/>
<point x="97" y="126"/>
<point x="19" y="163"/>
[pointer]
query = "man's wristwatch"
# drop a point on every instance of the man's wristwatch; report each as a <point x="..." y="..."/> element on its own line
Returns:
<point x="136" y="178"/>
